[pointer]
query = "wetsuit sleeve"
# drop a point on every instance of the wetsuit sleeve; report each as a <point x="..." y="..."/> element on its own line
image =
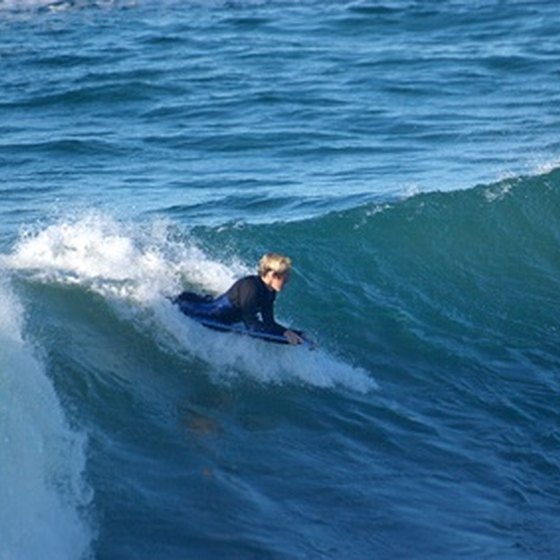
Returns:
<point x="270" y="325"/>
<point x="252" y="301"/>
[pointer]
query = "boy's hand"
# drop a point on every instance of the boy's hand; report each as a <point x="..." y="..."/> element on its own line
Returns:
<point x="293" y="338"/>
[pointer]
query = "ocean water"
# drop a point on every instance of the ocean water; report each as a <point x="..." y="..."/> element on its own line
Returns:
<point x="405" y="154"/>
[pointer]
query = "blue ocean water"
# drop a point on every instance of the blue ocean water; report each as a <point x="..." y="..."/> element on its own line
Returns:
<point x="405" y="154"/>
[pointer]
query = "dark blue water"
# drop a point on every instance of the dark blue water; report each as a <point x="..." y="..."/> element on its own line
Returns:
<point x="405" y="155"/>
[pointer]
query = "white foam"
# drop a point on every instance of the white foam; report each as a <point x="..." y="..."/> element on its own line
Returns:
<point x="497" y="192"/>
<point x="60" y="5"/>
<point x="544" y="168"/>
<point x="124" y="260"/>
<point x="19" y="6"/>
<point x="136" y="266"/>
<point x="535" y="167"/>
<point x="42" y="460"/>
<point x="233" y="356"/>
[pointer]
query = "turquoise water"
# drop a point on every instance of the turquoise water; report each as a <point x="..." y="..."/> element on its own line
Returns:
<point x="405" y="154"/>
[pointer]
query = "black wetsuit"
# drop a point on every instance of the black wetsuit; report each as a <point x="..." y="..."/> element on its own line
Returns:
<point x="249" y="300"/>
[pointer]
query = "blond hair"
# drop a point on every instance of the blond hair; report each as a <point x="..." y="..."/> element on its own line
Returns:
<point x="279" y="264"/>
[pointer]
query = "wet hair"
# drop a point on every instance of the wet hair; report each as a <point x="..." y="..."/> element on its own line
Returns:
<point x="279" y="264"/>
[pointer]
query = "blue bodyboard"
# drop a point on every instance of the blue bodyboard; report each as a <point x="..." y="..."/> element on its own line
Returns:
<point x="238" y="328"/>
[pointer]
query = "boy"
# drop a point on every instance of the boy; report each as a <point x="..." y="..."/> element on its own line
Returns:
<point x="249" y="300"/>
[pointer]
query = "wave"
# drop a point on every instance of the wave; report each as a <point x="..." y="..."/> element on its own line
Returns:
<point x="474" y="269"/>
<point x="433" y="273"/>
<point x="470" y="269"/>
<point x="136" y="267"/>
<point x="42" y="489"/>
<point x="453" y="294"/>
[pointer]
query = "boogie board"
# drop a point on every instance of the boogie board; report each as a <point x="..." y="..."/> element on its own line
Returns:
<point x="238" y="328"/>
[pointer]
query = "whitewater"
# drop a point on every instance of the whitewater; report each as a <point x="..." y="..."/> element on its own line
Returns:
<point x="404" y="154"/>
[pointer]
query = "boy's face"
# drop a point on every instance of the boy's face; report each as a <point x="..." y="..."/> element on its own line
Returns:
<point x="276" y="281"/>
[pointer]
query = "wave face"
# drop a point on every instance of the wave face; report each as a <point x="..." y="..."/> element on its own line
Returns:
<point x="404" y="154"/>
<point x="474" y="269"/>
